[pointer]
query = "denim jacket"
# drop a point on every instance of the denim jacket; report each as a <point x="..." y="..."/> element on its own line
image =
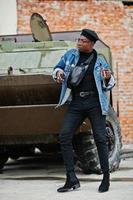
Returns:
<point x="69" y="60"/>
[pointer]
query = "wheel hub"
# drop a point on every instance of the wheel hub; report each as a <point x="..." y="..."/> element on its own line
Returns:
<point x="110" y="138"/>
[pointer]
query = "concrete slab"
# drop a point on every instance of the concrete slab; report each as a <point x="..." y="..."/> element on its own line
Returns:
<point x="39" y="181"/>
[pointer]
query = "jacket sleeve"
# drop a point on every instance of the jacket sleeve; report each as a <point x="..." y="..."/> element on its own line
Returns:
<point x="107" y="84"/>
<point x="61" y="64"/>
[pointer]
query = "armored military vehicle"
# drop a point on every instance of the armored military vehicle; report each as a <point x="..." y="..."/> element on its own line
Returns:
<point x="29" y="118"/>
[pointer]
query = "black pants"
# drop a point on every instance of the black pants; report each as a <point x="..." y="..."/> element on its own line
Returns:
<point x="78" y="110"/>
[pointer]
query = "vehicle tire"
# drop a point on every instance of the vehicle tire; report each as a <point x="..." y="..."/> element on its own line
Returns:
<point x="15" y="152"/>
<point x="86" y="150"/>
<point x="3" y="160"/>
<point x="14" y="157"/>
<point x="50" y="148"/>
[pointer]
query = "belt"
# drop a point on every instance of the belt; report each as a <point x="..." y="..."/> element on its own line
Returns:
<point x="84" y="94"/>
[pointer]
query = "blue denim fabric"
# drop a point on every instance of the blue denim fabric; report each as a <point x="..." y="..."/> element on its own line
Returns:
<point x="70" y="60"/>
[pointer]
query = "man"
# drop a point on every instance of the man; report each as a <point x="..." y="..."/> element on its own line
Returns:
<point x="88" y="99"/>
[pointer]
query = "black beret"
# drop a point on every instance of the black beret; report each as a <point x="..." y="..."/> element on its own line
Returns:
<point x="90" y="34"/>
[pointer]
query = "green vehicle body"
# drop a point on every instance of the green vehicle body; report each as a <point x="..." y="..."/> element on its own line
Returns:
<point x="29" y="118"/>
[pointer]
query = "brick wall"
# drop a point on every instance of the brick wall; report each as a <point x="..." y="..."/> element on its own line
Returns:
<point x="112" y="21"/>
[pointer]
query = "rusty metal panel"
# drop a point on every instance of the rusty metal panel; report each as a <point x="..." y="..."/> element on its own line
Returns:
<point x="29" y="121"/>
<point x="28" y="90"/>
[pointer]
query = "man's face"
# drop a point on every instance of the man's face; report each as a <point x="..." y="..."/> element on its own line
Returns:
<point x="84" y="44"/>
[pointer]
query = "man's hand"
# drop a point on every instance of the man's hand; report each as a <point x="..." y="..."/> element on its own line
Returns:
<point x="60" y="76"/>
<point x="106" y="73"/>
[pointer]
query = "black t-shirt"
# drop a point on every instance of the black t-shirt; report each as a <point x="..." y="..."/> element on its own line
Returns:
<point x="88" y="82"/>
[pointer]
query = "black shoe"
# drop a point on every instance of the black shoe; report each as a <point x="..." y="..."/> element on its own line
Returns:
<point x="104" y="186"/>
<point x="71" y="183"/>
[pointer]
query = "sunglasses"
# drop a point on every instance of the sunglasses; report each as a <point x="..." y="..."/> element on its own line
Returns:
<point x="82" y="40"/>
